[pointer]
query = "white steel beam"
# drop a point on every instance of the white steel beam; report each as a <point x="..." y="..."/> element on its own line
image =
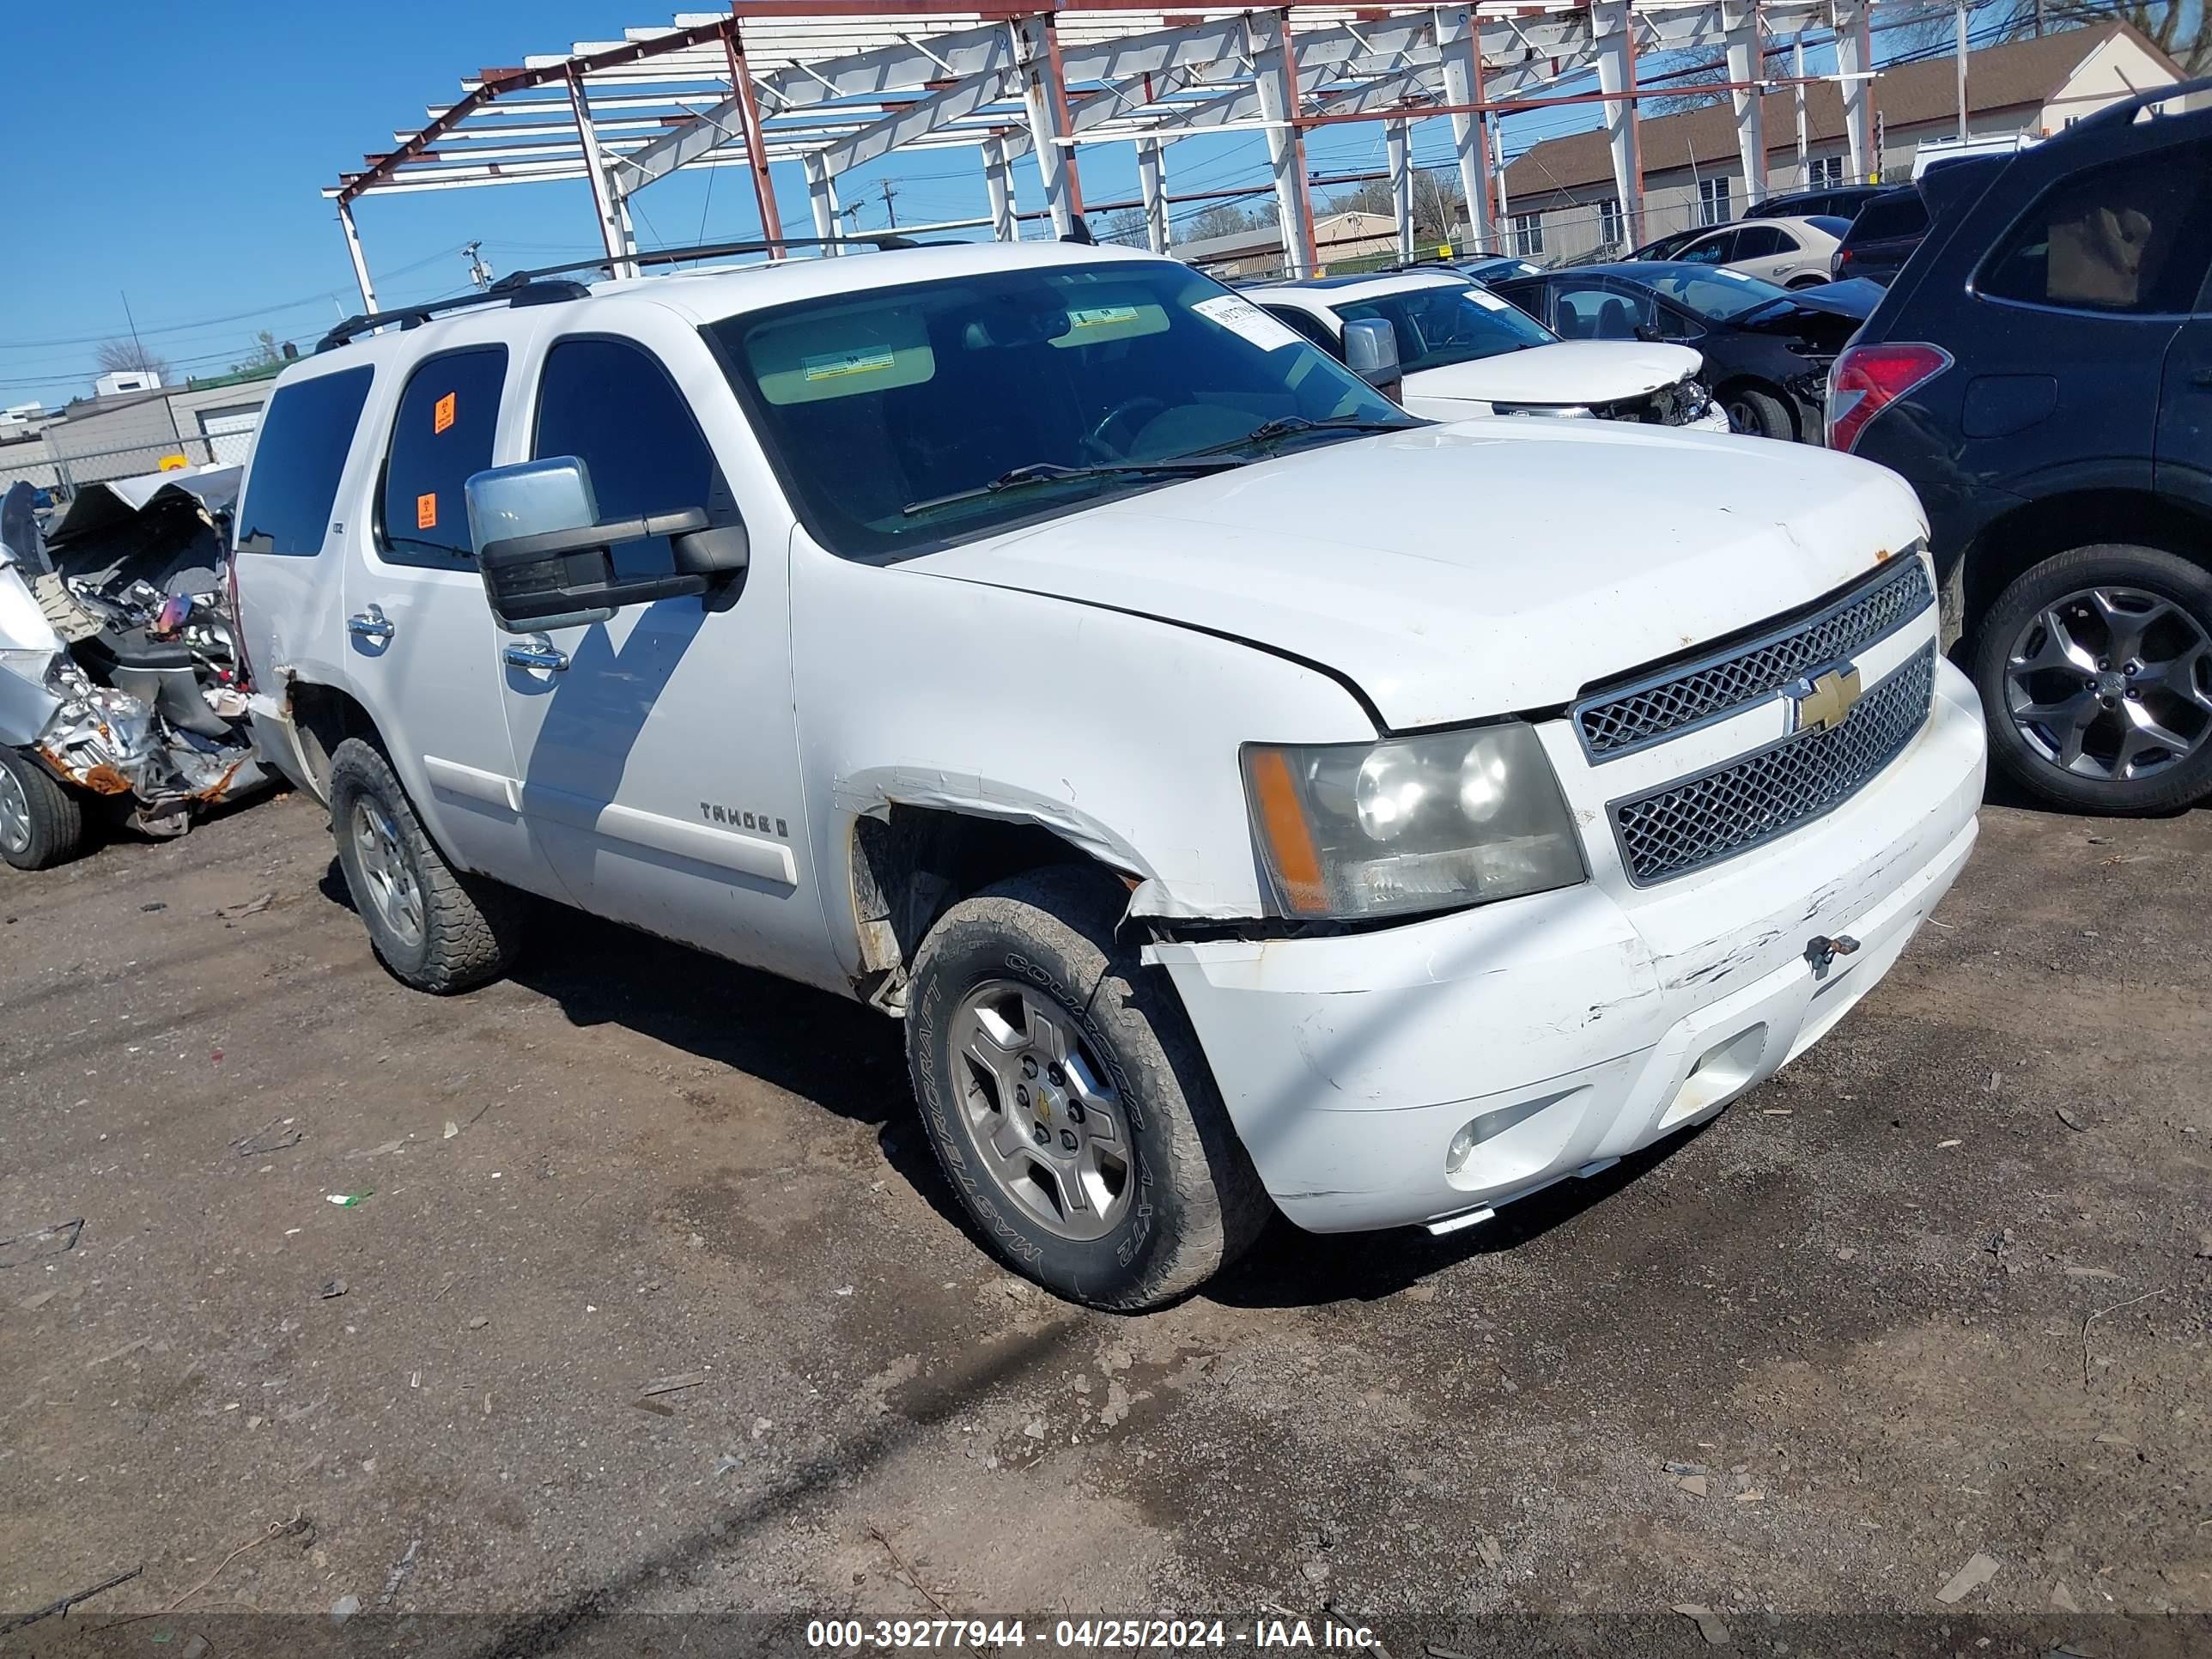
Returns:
<point x="1398" y="134"/>
<point x="821" y="197"/>
<point x="1278" y="106"/>
<point x="1855" y="64"/>
<point x="360" y="259"/>
<point x="614" y="221"/>
<point x="1050" y="134"/>
<point x="924" y="115"/>
<point x="1612" y="35"/>
<point x="1745" y="53"/>
<point x="1458" y="36"/>
<point x="999" y="185"/>
<point x="1152" y="181"/>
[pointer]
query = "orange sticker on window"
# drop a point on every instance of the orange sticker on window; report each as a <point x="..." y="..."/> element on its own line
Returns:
<point x="442" y="413"/>
<point x="426" y="512"/>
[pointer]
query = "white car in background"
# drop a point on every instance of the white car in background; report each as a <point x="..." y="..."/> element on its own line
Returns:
<point x="1788" y="253"/>
<point x="1464" y="352"/>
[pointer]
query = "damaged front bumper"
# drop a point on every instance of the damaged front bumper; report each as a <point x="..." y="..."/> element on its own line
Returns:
<point x="1428" y="1073"/>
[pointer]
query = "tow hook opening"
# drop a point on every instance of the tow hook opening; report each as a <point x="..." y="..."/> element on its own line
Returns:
<point x="1821" y="951"/>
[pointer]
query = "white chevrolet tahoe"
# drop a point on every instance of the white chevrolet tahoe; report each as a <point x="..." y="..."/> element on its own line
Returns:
<point x="1251" y="797"/>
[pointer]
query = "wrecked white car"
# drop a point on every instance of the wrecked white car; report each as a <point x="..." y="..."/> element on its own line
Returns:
<point x="118" y="677"/>
<point x="1251" y="797"/>
<point x="1464" y="352"/>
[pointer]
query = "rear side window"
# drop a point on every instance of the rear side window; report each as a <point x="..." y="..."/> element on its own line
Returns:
<point x="2131" y="236"/>
<point x="441" y="436"/>
<point x="1902" y="214"/>
<point x="1308" y="324"/>
<point x="298" y="456"/>
<point x="611" y="405"/>
<point x="1760" y="242"/>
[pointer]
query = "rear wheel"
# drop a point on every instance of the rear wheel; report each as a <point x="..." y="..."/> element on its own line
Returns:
<point x="434" y="927"/>
<point x="1809" y="281"/>
<point x="2095" y="675"/>
<point x="1760" y="413"/>
<point x="41" y="823"/>
<point x="1067" y="1101"/>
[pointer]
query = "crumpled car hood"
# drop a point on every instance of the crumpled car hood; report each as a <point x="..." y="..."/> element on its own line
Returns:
<point x="1479" y="568"/>
<point x="1572" y="372"/>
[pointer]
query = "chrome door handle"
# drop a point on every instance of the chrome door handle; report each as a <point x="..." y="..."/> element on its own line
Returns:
<point x="371" y="623"/>
<point x="536" y="652"/>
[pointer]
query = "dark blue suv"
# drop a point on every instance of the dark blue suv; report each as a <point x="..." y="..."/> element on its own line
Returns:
<point x="2041" y="371"/>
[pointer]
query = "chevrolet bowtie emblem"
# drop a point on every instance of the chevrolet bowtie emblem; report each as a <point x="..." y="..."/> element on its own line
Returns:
<point x="1824" y="701"/>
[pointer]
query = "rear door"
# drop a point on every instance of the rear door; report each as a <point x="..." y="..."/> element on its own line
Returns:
<point x="421" y="649"/>
<point x="2184" y="408"/>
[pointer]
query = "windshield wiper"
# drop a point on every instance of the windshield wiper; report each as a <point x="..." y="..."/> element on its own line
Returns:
<point x="1284" y="426"/>
<point x="1038" y="472"/>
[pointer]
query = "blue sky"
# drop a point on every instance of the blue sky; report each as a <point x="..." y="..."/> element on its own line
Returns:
<point x="177" y="156"/>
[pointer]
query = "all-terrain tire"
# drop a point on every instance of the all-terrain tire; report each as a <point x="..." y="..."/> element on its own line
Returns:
<point x="54" y="827"/>
<point x="2152" y="570"/>
<point x="1761" y="414"/>
<point x="472" y="928"/>
<point x="1197" y="1202"/>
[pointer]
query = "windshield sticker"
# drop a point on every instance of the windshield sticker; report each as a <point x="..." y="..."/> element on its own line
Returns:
<point x="1242" y="316"/>
<point x="441" y="414"/>
<point x="1733" y="276"/>
<point x="1486" y="300"/>
<point x="426" y="511"/>
<point x="1101" y="316"/>
<point x="832" y="365"/>
<point x="1088" y="326"/>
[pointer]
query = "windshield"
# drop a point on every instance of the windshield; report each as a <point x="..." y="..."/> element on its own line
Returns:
<point x="896" y="416"/>
<point x="1717" y="295"/>
<point x="1437" y="327"/>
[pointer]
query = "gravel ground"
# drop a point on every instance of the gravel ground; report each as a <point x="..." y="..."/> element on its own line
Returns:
<point x="1941" y="1291"/>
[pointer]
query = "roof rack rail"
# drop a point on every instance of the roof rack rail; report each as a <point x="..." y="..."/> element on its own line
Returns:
<point x="882" y="240"/>
<point x="505" y="292"/>
<point x="533" y="287"/>
<point x="2121" y="113"/>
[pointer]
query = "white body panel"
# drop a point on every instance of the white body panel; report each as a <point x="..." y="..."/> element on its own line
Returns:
<point x="1097" y="673"/>
<point x="1805" y="254"/>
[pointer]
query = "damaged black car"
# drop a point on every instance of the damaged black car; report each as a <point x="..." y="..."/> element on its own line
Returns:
<point x="119" y="685"/>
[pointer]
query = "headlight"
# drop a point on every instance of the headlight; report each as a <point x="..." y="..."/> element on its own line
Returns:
<point x="1412" y="824"/>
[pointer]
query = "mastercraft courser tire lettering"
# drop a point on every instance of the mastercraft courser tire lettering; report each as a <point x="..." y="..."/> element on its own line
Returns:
<point x="1171" y="1196"/>
<point x="434" y="927"/>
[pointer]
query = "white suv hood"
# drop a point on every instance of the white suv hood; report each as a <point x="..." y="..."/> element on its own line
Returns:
<point x="1481" y="568"/>
<point x="1572" y="372"/>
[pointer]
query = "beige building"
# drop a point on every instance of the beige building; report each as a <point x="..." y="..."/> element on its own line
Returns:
<point x="1339" y="238"/>
<point x="1561" y="200"/>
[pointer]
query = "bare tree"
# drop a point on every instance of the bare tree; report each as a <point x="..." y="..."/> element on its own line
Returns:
<point x="2177" y="27"/>
<point x="128" y="357"/>
<point x="1127" y="227"/>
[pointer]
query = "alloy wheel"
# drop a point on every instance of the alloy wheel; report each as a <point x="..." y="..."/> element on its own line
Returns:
<point x="2112" y="682"/>
<point x="385" y="869"/>
<point x="14" y="813"/>
<point x="1047" y="1127"/>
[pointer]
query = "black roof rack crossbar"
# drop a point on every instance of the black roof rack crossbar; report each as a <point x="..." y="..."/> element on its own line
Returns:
<point x="518" y="294"/>
<point x="880" y="240"/>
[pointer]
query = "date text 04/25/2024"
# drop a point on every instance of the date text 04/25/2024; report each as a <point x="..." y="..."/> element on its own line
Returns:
<point x="1089" y="1635"/>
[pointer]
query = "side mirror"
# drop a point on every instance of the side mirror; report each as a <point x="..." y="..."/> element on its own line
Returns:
<point x="547" y="560"/>
<point x="1370" y="351"/>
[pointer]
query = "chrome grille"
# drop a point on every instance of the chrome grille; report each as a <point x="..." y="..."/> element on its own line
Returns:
<point x="1620" y="720"/>
<point x="1697" y="821"/>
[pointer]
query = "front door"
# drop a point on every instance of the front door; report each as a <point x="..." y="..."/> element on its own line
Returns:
<point x="419" y="631"/>
<point x="658" y="750"/>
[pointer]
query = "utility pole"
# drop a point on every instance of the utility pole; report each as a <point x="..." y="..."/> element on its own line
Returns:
<point x="890" y="213"/>
<point x="133" y="322"/>
<point x="479" y="272"/>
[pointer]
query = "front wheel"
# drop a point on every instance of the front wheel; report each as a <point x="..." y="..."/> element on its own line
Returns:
<point x="1068" y="1101"/>
<point x="41" y="823"/>
<point x="2095" y="675"/>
